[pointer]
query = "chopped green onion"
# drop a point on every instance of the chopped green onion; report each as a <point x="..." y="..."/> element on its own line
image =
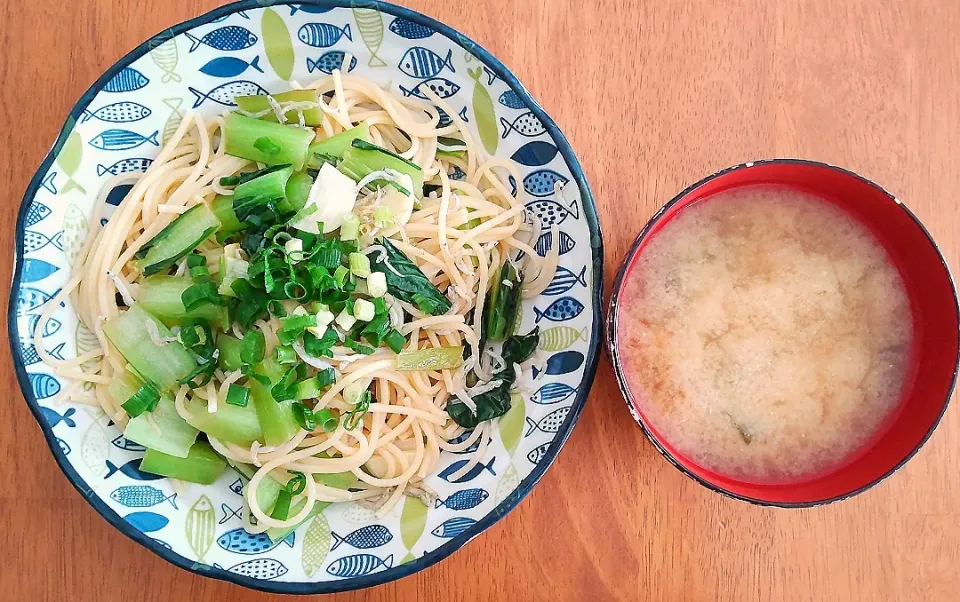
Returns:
<point x="144" y="400"/>
<point x="363" y="310"/>
<point x="350" y="227"/>
<point x="238" y="395"/>
<point x="359" y="265"/>
<point x="304" y="417"/>
<point x="297" y="483"/>
<point x="328" y="257"/>
<point x="383" y="217"/>
<point x="358" y="347"/>
<point x="345" y="320"/>
<point x="298" y="322"/>
<point x="327" y="421"/>
<point x="200" y="294"/>
<point x="394" y="340"/>
<point x="340" y="276"/>
<point x="285" y="355"/>
<point x="377" y="285"/>
<point x="254" y="347"/>
<point x="281" y="509"/>
<point x="354" y="417"/>
<point x="320" y="346"/>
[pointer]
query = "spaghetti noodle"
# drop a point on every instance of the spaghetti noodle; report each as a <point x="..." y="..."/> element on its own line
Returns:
<point x="386" y="416"/>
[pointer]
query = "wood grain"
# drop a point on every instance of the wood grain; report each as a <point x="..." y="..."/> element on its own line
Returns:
<point x="653" y="96"/>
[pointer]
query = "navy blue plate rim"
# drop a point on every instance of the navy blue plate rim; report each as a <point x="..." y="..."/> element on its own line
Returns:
<point x="610" y="337"/>
<point x="448" y="548"/>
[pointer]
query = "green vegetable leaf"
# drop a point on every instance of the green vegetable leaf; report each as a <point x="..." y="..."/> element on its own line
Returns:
<point x="406" y="282"/>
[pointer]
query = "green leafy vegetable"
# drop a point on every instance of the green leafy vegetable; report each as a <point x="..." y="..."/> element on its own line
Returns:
<point x="406" y="282"/>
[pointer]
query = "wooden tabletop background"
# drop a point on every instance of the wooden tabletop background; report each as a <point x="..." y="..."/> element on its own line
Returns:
<point x="653" y="95"/>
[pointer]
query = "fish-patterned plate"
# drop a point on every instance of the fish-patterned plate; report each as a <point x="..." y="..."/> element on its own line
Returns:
<point x="120" y="124"/>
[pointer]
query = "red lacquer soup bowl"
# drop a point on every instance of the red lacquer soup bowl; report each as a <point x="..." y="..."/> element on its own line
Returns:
<point x="933" y="301"/>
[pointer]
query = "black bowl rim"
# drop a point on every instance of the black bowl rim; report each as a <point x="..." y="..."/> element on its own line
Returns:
<point x="612" y="320"/>
<point x="525" y="486"/>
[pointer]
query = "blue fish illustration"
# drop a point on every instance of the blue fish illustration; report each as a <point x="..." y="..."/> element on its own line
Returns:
<point x="64" y="446"/>
<point x="471" y="474"/>
<point x="527" y="125"/>
<point x="147" y="522"/>
<point x="229" y="513"/>
<point x="545" y="243"/>
<point x="329" y="61"/>
<point x="444" y="118"/>
<point x="551" y="212"/>
<point x="550" y="423"/>
<point x="44" y="385"/>
<point x="358" y="565"/>
<point x="117" y="140"/>
<point x="309" y="8"/>
<point x="229" y="66"/>
<point x="34" y="241"/>
<point x="453" y="527"/>
<point x="364" y="538"/>
<point x="552" y="393"/>
<point x="564" y="308"/>
<point x="36" y="269"/>
<point x="410" y="29"/>
<point x="125" y="166"/>
<point x="132" y="470"/>
<point x="48" y="183"/>
<point x="258" y="568"/>
<point x="53" y="325"/>
<point x="29" y="355"/>
<point x="35" y="213"/>
<point x="536" y="153"/>
<point x="513" y="185"/>
<point x="229" y="37"/>
<point x="565" y="280"/>
<point x="29" y="299"/>
<point x="538" y="453"/>
<point x="543" y="182"/>
<point x="322" y="35"/>
<point x="491" y="76"/>
<point x="423" y="63"/>
<point x="457" y="174"/>
<point x="240" y="542"/>
<point x="225" y="93"/>
<point x="127" y="79"/>
<point x="125" y="111"/>
<point x="54" y="418"/>
<point x="441" y="86"/>
<point x="118" y="193"/>
<point x="125" y="444"/>
<point x="564" y="362"/>
<point x="464" y="499"/>
<point x="237" y="486"/>
<point x="512" y="100"/>
<point x="142" y="496"/>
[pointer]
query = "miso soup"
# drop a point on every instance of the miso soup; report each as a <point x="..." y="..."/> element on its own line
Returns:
<point x="765" y="334"/>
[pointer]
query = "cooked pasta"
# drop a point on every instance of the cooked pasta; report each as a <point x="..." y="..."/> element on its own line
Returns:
<point x="308" y="288"/>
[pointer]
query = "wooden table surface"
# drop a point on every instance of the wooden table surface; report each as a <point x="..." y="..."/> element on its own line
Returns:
<point x="653" y="95"/>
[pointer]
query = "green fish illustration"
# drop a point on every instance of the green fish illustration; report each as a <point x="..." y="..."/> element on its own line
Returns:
<point x="370" y="24"/>
<point x="484" y="113"/>
<point x="316" y="545"/>
<point x="163" y="51"/>
<point x="508" y="484"/>
<point x="86" y="341"/>
<point x="173" y="121"/>
<point x="276" y="40"/>
<point x="69" y="160"/>
<point x="358" y="514"/>
<point x="559" y="338"/>
<point x="511" y="425"/>
<point x="413" y="519"/>
<point x="95" y="448"/>
<point x="200" y="526"/>
<point x="74" y="232"/>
